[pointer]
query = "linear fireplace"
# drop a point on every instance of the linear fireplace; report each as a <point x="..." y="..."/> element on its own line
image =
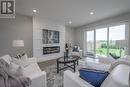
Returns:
<point x="50" y="50"/>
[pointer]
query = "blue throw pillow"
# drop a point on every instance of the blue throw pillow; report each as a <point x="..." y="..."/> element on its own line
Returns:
<point x="92" y="76"/>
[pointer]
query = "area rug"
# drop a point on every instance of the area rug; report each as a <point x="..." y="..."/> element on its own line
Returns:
<point x="54" y="79"/>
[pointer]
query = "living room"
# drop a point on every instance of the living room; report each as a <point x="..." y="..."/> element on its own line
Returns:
<point x="55" y="43"/>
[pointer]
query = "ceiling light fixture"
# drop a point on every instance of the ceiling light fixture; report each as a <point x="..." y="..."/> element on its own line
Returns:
<point x="91" y="13"/>
<point x="34" y="11"/>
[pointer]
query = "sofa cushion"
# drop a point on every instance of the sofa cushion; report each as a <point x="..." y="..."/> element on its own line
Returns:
<point x="94" y="77"/>
<point x="106" y="60"/>
<point x="6" y="58"/>
<point x="94" y="65"/>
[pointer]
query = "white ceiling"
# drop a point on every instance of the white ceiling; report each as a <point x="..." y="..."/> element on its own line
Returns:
<point x="75" y="10"/>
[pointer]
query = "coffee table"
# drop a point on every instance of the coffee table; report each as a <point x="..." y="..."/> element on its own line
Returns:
<point x="69" y="62"/>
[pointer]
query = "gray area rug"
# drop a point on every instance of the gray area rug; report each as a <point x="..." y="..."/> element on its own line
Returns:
<point x="54" y="79"/>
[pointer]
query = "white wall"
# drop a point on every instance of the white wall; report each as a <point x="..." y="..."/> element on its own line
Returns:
<point x="69" y="36"/>
<point x="38" y="25"/>
<point x="18" y="28"/>
<point x="79" y="33"/>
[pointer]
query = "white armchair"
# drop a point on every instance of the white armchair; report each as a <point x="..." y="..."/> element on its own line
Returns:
<point x="32" y="71"/>
<point x="37" y="76"/>
<point x="79" y="53"/>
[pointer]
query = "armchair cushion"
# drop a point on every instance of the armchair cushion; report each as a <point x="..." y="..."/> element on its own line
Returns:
<point x="94" y="77"/>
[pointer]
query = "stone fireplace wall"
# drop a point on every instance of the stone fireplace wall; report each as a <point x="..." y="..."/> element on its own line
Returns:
<point x="38" y="25"/>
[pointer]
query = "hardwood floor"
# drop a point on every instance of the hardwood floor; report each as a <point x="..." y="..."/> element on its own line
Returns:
<point x="47" y="63"/>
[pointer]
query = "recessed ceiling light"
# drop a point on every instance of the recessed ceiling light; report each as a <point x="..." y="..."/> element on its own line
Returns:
<point x="34" y="11"/>
<point x="91" y="13"/>
<point x="70" y="22"/>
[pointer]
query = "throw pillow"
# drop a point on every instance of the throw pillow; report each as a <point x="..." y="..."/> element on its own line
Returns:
<point x="20" y="62"/>
<point x="114" y="56"/>
<point x="16" y="70"/>
<point x="92" y="76"/>
<point x="24" y="57"/>
<point x="4" y="64"/>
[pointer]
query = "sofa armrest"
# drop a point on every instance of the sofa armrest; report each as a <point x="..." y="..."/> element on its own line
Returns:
<point x="73" y="80"/>
<point x="38" y="79"/>
<point x="119" y="77"/>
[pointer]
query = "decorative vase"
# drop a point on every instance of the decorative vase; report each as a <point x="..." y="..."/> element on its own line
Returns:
<point x="67" y="50"/>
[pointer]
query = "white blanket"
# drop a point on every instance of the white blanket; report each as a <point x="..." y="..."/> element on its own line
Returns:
<point x="9" y="80"/>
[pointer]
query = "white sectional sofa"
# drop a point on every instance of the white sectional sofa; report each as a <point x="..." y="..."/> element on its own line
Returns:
<point x="38" y="77"/>
<point x="119" y="77"/>
<point x="99" y="63"/>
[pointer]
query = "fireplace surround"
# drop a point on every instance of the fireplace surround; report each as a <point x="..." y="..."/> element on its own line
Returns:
<point x="50" y="50"/>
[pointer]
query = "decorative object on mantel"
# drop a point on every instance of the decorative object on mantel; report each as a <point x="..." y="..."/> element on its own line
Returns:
<point x="50" y="36"/>
<point x="18" y="44"/>
<point x="66" y="50"/>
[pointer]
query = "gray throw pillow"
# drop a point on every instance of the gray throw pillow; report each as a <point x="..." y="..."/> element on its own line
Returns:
<point x="16" y="70"/>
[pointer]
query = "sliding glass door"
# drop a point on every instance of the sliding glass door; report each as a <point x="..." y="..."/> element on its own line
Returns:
<point x="117" y="40"/>
<point x="101" y="42"/>
<point x="110" y="40"/>
<point x="90" y="43"/>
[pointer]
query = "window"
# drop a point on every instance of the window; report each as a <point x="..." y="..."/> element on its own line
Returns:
<point x="106" y="41"/>
<point x="101" y="42"/>
<point x="117" y="40"/>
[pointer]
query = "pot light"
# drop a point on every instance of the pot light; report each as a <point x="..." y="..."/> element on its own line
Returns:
<point x="34" y="11"/>
<point x="91" y="13"/>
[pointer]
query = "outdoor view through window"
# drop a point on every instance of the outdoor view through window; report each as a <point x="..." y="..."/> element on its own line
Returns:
<point x="106" y="41"/>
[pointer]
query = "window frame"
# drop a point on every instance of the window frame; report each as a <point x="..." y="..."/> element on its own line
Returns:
<point x="127" y="35"/>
